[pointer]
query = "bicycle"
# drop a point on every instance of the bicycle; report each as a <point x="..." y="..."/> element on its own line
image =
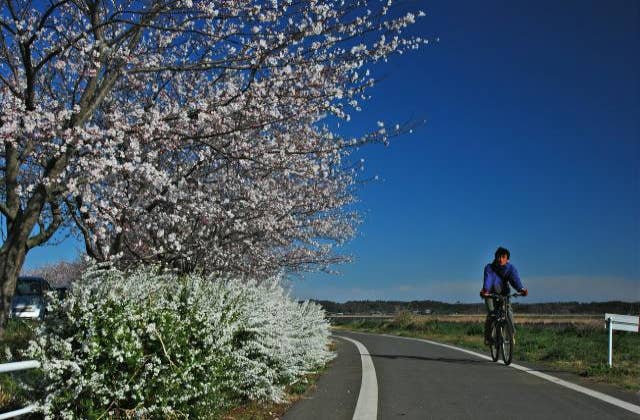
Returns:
<point x="502" y="341"/>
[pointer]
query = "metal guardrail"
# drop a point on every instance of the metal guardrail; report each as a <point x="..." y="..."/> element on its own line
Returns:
<point x="13" y="367"/>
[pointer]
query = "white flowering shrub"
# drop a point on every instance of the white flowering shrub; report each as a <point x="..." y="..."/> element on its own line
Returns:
<point x="288" y="337"/>
<point x="151" y="345"/>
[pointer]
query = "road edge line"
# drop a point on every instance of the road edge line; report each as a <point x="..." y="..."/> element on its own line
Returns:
<point x="578" y="388"/>
<point x="367" y="405"/>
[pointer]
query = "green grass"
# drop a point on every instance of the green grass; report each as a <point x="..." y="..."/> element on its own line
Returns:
<point x="579" y="349"/>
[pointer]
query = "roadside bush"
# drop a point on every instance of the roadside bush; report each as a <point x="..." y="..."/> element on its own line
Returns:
<point x="475" y="329"/>
<point x="151" y="345"/>
<point x="404" y="320"/>
<point x="433" y="326"/>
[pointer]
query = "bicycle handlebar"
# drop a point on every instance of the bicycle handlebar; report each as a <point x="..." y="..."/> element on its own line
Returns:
<point x="497" y="296"/>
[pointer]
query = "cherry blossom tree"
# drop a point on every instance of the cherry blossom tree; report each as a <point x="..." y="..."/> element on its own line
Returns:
<point x="195" y="133"/>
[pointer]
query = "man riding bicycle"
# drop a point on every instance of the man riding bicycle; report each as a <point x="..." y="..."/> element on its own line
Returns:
<point x="498" y="275"/>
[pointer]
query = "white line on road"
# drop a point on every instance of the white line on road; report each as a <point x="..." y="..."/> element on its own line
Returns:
<point x="595" y="394"/>
<point x="367" y="405"/>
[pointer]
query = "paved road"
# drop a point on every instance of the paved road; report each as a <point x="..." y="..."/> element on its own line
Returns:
<point x="417" y="380"/>
<point x="336" y="391"/>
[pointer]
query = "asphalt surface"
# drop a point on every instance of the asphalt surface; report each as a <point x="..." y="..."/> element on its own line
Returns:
<point x="336" y="391"/>
<point x="417" y="380"/>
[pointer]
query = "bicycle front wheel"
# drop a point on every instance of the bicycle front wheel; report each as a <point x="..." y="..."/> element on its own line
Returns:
<point x="494" y="345"/>
<point x="506" y="344"/>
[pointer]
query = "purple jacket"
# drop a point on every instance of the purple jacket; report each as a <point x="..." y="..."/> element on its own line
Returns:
<point x="497" y="279"/>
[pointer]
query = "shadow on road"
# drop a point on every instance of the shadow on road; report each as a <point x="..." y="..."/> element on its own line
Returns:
<point x="463" y="361"/>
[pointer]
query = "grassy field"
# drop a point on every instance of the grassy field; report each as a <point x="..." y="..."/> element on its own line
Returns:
<point x="575" y="344"/>
<point x="593" y="321"/>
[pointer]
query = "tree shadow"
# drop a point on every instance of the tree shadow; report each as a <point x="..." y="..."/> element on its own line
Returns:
<point x="469" y="361"/>
<point x="463" y="361"/>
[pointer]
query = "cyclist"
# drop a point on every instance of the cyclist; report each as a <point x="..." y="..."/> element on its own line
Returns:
<point x="498" y="275"/>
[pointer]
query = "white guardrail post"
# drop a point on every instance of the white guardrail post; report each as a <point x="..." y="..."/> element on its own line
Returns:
<point x="13" y="367"/>
<point x="620" y="323"/>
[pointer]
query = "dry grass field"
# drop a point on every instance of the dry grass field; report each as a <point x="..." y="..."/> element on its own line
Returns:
<point x="582" y="320"/>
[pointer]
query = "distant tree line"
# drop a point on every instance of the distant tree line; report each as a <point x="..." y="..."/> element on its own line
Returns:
<point x="60" y="274"/>
<point x="431" y="306"/>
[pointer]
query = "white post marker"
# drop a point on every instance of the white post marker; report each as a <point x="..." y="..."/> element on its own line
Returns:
<point x="620" y="323"/>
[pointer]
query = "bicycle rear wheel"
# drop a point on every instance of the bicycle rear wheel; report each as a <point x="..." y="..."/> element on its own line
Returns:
<point x="494" y="346"/>
<point x="506" y="344"/>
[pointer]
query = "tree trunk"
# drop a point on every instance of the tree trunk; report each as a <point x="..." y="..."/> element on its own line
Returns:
<point x="11" y="260"/>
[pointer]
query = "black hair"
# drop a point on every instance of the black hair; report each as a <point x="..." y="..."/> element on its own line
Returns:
<point x="502" y="251"/>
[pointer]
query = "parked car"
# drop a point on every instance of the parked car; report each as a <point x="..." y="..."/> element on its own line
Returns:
<point x="61" y="292"/>
<point x="29" y="298"/>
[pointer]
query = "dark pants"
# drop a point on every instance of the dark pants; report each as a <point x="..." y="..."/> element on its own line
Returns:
<point x="491" y="304"/>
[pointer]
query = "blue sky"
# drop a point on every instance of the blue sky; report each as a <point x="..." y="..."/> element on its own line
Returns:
<point x="531" y="141"/>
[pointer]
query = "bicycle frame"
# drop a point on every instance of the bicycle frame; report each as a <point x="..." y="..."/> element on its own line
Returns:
<point x="503" y="341"/>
